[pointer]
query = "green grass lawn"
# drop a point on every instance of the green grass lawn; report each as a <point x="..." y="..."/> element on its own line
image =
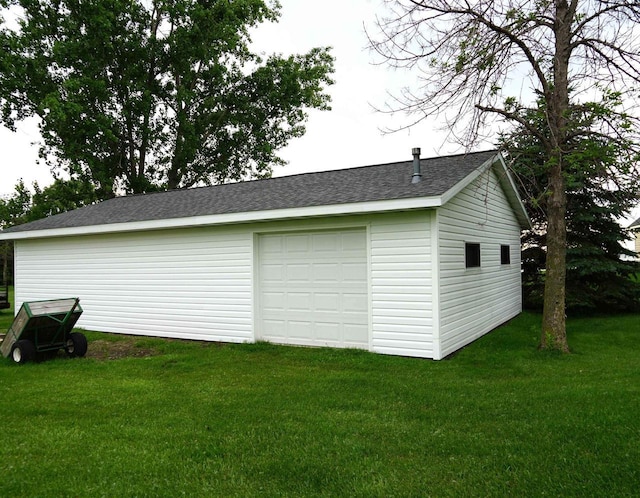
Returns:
<point x="194" y="419"/>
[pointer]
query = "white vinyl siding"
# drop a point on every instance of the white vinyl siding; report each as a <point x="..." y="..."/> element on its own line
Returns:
<point x="185" y="283"/>
<point x="402" y="284"/>
<point x="473" y="301"/>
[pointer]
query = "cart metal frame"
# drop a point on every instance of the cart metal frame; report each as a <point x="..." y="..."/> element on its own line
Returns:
<point x="42" y="326"/>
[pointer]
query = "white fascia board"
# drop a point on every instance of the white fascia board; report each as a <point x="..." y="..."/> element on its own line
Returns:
<point x="233" y="218"/>
<point x="511" y="191"/>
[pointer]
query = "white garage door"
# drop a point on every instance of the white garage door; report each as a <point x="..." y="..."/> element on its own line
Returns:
<point x="313" y="288"/>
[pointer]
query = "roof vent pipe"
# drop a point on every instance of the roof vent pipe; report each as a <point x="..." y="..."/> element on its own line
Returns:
<point x="417" y="176"/>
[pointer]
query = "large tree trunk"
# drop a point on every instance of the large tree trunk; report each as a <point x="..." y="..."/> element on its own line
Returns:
<point x="554" y="333"/>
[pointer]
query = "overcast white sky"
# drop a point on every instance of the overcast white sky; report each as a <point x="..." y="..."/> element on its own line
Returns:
<point x="349" y="135"/>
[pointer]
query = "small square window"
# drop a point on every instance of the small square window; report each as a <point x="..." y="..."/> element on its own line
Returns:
<point x="505" y="255"/>
<point x="472" y="255"/>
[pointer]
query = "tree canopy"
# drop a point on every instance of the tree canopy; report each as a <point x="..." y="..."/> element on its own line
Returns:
<point x="478" y="61"/>
<point x="24" y="206"/>
<point x="602" y="188"/>
<point x="137" y="95"/>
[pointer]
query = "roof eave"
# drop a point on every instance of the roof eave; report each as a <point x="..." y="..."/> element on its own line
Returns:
<point x="233" y="218"/>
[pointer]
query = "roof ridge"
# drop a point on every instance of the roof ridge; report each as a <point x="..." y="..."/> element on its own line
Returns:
<point x="307" y="173"/>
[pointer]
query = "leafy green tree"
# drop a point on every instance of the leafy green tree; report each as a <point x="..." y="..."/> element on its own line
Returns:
<point x="601" y="189"/>
<point x="472" y="61"/>
<point x="14" y="210"/>
<point x="59" y="197"/>
<point x="24" y="206"/>
<point x="145" y="95"/>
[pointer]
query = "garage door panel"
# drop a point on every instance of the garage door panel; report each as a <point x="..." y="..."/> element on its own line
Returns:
<point x="354" y="303"/>
<point x="325" y="242"/>
<point x="271" y="246"/>
<point x="274" y="328"/>
<point x="357" y="334"/>
<point x="314" y="286"/>
<point x="328" y="332"/>
<point x="326" y="272"/>
<point x="272" y="273"/>
<point x="296" y="244"/>
<point x="274" y="301"/>
<point x="299" y="301"/>
<point x="326" y="301"/>
<point x="353" y="242"/>
<point x="354" y="272"/>
<point x="299" y="330"/>
<point x="298" y="272"/>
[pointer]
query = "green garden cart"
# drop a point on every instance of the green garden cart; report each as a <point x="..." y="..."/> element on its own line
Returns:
<point x="44" y="327"/>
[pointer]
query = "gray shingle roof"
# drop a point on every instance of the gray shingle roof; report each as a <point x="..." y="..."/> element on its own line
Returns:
<point x="635" y="224"/>
<point x="364" y="184"/>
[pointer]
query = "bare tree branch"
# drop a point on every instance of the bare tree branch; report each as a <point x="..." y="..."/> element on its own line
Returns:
<point x="464" y="57"/>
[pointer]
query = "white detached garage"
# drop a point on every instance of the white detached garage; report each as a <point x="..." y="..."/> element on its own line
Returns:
<point x="364" y="257"/>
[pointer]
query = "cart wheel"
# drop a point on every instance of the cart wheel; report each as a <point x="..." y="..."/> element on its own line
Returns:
<point x="23" y="351"/>
<point x="76" y="345"/>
